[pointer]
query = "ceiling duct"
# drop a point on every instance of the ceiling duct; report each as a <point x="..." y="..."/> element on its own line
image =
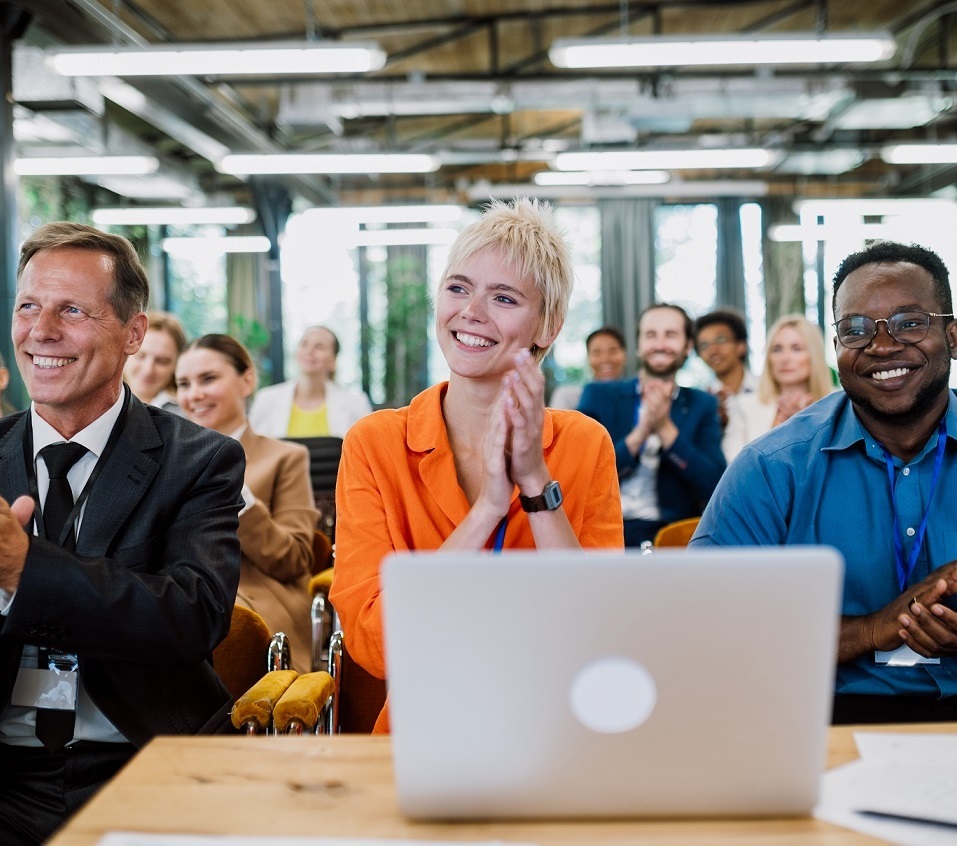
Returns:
<point x="39" y="88"/>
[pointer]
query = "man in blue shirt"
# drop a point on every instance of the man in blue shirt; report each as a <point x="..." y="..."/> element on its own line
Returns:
<point x="873" y="472"/>
<point x="667" y="439"/>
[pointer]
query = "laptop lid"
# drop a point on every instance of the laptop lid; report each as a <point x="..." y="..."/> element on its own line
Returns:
<point x="595" y="683"/>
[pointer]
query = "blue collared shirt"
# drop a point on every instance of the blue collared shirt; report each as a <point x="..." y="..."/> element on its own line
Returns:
<point x="821" y="478"/>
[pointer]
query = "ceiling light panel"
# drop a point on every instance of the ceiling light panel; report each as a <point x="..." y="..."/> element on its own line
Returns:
<point x="742" y="157"/>
<point x="751" y="49"/>
<point x="237" y="59"/>
<point x="291" y="163"/>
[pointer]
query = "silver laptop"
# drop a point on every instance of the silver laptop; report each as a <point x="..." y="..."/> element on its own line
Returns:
<point x="594" y="684"/>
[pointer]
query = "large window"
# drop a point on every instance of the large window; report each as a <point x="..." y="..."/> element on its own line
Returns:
<point x="327" y="281"/>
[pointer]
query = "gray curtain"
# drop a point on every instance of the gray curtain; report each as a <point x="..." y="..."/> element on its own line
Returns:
<point x="627" y="264"/>
<point x="783" y="263"/>
<point x="729" y="279"/>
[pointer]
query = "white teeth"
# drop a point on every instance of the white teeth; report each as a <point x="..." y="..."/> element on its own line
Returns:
<point x="881" y="375"/>
<point x="472" y="340"/>
<point x="45" y="361"/>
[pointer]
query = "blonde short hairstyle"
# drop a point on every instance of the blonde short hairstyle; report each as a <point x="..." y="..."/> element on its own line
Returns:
<point x="820" y="381"/>
<point x="526" y="233"/>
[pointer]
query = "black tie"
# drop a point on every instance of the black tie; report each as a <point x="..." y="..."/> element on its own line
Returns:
<point x="59" y="458"/>
<point x="55" y="727"/>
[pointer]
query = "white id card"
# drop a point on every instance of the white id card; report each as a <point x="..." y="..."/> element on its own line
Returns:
<point x="903" y="656"/>
<point x="53" y="689"/>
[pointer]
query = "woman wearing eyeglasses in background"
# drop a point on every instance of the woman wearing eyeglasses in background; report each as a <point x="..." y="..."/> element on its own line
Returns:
<point x="795" y="375"/>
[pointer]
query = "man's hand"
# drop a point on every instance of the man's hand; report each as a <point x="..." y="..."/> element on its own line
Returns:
<point x="654" y="415"/>
<point x="925" y="625"/>
<point x="13" y="540"/>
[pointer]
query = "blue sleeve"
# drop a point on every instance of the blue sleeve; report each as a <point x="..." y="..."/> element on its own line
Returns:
<point x="598" y="402"/>
<point x="696" y="455"/>
<point x="750" y="505"/>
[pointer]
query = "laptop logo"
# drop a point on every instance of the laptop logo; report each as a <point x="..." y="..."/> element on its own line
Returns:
<point x="613" y="695"/>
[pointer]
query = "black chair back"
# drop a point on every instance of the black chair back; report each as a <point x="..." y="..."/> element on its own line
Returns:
<point x="324" y="455"/>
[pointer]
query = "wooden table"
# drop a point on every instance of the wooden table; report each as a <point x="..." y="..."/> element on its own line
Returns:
<point x="343" y="786"/>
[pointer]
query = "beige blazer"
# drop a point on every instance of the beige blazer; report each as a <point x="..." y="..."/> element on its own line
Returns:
<point x="275" y="536"/>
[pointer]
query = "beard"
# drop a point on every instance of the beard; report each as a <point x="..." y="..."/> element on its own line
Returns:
<point x="924" y="400"/>
<point x="662" y="372"/>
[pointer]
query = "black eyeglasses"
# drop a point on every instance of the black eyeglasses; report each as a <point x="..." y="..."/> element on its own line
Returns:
<point x="905" y="327"/>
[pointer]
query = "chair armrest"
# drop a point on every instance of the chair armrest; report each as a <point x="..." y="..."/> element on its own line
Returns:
<point x="300" y="707"/>
<point x="253" y="711"/>
<point x="321" y="582"/>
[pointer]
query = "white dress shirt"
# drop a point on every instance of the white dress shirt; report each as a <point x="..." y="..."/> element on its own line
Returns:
<point x="18" y="724"/>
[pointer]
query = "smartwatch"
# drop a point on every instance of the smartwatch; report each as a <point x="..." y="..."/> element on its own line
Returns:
<point x="548" y="500"/>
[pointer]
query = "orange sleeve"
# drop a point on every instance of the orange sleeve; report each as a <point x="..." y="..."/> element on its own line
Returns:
<point x="363" y="538"/>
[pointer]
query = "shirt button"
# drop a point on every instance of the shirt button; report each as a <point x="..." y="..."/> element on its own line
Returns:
<point x="911" y="532"/>
<point x="906" y="471"/>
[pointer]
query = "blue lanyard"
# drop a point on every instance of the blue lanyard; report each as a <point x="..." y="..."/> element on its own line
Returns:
<point x="500" y="536"/>
<point x="904" y="571"/>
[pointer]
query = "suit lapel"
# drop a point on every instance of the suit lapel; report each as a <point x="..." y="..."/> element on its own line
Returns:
<point x="13" y="471"/>
<point x="122" y="483"/>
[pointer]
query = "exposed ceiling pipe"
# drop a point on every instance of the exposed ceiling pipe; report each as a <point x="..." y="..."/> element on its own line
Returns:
<point x="243" y="132"/>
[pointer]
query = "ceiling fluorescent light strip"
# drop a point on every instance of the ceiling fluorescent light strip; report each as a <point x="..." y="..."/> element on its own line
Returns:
<point x="751" y="49"/>
<point x="920" y="153"/>
<point x="743" y="157"/>
<point x="215" y="245"/>
<point x="279" y="58"/>
<point x="402" y="237"/>
<point x="393" y="214"/>
<point x="173" y="216"/>
<point x="600" y="177"/>
<point x="86" y="165"/>
<point x="276" y="163"/>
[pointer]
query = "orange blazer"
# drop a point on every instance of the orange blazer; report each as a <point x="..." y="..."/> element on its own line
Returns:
<point x="397" y="490"/>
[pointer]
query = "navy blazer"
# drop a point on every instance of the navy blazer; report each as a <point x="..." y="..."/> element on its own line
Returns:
<point x="149" y="591"/>
<point x="690" y="469"/>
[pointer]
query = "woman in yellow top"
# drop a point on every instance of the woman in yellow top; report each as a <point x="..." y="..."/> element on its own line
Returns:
<point x="314" y="404"/>
<point x="477" y="462"/>
<point x="214" y="378"/>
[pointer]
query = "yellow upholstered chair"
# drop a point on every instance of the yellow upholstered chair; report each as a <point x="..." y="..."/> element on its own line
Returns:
<point x="254" y="666"/>
<point x="677" y="533"/>
<point x="248" y="651"/>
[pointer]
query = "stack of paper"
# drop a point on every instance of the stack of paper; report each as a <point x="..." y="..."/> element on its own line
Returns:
<point x="903" y="789"/>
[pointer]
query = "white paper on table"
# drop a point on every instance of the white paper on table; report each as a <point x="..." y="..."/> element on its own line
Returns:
<point x="911" y="775"/>
<point x="131" y="838"/>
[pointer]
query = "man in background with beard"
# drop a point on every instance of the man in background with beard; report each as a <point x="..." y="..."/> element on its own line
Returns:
<point x="872" y="472"/>
<point x="667" y="438"/>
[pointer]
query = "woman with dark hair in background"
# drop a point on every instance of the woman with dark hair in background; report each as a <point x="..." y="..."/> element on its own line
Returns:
<point x="214" y="378"/>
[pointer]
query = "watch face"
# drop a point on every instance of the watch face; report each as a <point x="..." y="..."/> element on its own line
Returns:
<point x="553" y="496"/>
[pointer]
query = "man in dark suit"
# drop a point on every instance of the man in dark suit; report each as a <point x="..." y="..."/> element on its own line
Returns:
<point x="113" y="598"/>
<point x="667" y="439"/>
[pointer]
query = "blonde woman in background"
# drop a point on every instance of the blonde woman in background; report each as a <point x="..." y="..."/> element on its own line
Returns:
<point x="795" y="375"/>
<point x="214" y="378"/>
<point x="151" y="371"/>
<point x="313" y="405"/>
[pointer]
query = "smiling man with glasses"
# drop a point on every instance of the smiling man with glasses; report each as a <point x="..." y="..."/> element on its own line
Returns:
<point x="873" y="472"/>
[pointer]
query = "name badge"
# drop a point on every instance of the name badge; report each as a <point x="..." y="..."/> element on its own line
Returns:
<point x="53" y="689"/>
<point x="903" y="656"/>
